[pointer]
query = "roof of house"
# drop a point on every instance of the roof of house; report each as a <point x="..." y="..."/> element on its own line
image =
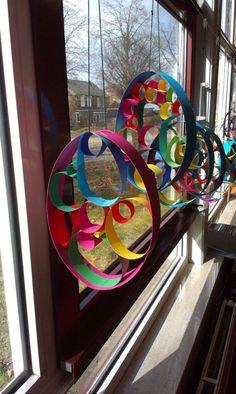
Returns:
<point x="81" y="88"/>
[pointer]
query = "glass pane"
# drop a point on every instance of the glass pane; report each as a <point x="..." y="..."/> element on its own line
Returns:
<point x="11" y="330"/>
<point x="233" y="91"/>
<point x="227" y="18"/>
<point x="223" y="90"/>
<point x="134" y="38"/>
<point x="11" y="353"/>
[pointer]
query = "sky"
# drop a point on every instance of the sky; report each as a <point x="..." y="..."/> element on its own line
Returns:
<point x="83" y="5"/>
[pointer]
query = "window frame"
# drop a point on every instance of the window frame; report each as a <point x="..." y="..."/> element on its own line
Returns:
<point x="80" y="336"/>
<point x="61" y="308"/>
<point x="11" y="256"/>
<point x="44" y="376"/>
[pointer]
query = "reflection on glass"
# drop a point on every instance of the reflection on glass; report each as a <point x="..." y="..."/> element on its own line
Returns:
<point x="134" y="38"/>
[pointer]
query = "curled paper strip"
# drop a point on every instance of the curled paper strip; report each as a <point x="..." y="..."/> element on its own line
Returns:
<point x="180" y="155"/>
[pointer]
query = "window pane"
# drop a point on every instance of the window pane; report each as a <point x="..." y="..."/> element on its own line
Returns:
<point x="227" y="18"/>
<point x="223" y="90"/>
<point x="14" y="359"/>
<point x="133" y="39"/>
<point x="233" y="91"/>
<point x="11" y="351"/>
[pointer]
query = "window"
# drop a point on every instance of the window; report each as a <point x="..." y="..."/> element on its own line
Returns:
<point x="205" y="93"/>
<point x="42" y="118"/>
<point x="99" y="118"/>
<point x="85" y="102"/>
<point x="11" y="334"/>
<point x="82" y="100"/>
<point x="15" y="359"/>
<point x="25" y="264"/>
<point x="233" y="90"/>
<point x="223" y="89"/>
<point x="89" y="101"/>
<point x="99" y="102"/>
<point x="77" y="117"/>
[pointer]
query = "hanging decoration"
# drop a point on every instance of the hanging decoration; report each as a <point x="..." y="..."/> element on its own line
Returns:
<point x="180" y="154"/>
<point x="186" y="158"/>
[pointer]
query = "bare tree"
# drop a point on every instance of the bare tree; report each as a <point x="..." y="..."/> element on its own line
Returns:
<point x="127" y="36"/>
<point x="76" y="52"/>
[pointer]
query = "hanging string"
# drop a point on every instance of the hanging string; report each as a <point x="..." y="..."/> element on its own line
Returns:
<point x="159" y="39"/>
<point x="89" y="90"/>
<point x="102" y="60"/>
<point x="151" y="31"/>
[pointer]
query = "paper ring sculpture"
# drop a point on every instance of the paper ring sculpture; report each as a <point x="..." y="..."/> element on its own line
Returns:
<point x="194" y="153"/>
<point x="65" y="241"/>
<point x="164" y="101"/>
